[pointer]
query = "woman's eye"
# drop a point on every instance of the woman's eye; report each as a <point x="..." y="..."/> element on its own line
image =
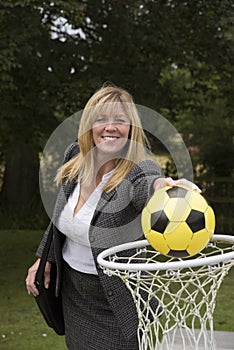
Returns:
<point x="100" y="120"/>
<point x="121" y="121"/>
<point x="103" y="119"/>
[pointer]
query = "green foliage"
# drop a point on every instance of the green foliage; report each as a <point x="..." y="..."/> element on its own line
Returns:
<point x="35" y="69"/>
<point x="173" y="56"/>
<point x="204" y="118"/>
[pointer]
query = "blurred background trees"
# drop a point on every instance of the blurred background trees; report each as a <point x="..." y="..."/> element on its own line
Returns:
<point x="173" y="56"/>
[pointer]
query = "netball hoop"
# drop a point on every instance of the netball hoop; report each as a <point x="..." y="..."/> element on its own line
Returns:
<point x="185" y="288"/>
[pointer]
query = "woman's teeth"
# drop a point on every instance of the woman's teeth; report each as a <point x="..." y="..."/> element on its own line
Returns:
<point x="110" y="137"/>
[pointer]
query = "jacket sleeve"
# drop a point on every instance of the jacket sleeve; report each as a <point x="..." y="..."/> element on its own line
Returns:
<point x="69" y="153"/>
<point x="143" y="177"/>
<point x="41" y="246"/>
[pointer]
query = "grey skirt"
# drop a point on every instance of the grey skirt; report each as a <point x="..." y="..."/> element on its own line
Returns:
<point x="89" y="321"/>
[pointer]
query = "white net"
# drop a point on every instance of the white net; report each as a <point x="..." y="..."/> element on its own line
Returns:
<point x="175" y="298"/>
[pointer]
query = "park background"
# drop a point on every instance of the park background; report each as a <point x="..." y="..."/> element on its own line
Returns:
<point x="175" y="57"/>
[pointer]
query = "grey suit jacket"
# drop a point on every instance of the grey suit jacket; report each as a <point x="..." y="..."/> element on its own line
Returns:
<point x="116" y="220"/>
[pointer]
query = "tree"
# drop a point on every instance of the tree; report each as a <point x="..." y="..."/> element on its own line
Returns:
<point x="200" y="84"/>
<point x="36" y="71"/>
<point x="173" y="56"/>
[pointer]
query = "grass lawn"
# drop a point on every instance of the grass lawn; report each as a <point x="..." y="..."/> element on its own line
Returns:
<point x="22" y="326"/>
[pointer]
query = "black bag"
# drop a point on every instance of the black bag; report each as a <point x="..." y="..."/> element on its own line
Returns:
<point x="49" y="305"/>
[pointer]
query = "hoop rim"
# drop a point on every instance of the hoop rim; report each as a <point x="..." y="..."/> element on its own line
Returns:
<point x="172" y="265"/>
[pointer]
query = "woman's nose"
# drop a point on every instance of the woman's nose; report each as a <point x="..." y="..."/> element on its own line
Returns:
<point x="110" y="126"/>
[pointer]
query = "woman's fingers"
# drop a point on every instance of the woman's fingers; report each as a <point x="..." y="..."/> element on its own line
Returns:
<point x="30" y="279"/>
<point x="168" y="181"/>
<point x="162" y="182"/>
<point x="189" y="184"/>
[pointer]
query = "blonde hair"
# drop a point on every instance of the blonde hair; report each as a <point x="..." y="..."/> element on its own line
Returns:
<point x="82" y="166"/>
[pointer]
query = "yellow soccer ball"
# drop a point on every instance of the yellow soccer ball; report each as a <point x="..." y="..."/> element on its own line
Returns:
<point x="178" y="222"/>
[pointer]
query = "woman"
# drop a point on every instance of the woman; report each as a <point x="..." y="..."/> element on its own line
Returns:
<point x="105" y="182"/>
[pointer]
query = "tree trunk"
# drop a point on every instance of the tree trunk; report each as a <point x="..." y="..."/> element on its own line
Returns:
<point x="20" y="183"/>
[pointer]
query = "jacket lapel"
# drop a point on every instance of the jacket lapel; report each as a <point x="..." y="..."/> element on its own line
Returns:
<point x="102" y="203"/>
<point x="63" y="195"/>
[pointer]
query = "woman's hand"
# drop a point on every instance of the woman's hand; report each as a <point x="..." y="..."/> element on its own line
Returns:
<point x="30" y="279"/>
<point x="168" y="181"/>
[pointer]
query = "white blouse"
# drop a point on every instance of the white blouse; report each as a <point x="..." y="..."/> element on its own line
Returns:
<point x="76" y="250"/>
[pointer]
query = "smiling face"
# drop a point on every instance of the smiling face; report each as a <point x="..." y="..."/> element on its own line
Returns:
<point x="111" y="129"/>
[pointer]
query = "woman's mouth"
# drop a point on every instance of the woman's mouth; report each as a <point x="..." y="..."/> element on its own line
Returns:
<point x="110" y="138"/>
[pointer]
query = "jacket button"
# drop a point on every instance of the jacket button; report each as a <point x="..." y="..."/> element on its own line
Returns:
<point x="91" y="239"/>
<point x="109" y="293"/>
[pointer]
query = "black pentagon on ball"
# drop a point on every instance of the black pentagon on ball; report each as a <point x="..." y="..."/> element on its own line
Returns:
<point x="178" y="253"/>
<point x="177" y="192"/>
<point x="196" y="220"/>
<point x="159" y="221"/>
